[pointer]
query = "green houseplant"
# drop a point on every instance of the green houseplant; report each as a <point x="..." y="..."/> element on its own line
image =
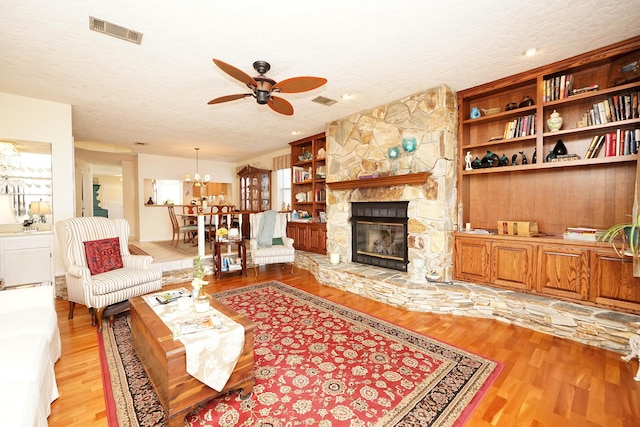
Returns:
<point x="624" y="237"/>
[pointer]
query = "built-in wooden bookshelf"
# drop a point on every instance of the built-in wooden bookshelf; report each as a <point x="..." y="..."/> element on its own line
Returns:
<point x="594" y="191"/>
<point x="308" y="193"/>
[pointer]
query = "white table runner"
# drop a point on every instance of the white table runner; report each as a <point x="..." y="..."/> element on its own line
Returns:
<point x="211" y="354"/>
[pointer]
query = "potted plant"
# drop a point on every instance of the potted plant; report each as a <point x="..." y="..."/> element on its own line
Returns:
<point x="627" y="234"/>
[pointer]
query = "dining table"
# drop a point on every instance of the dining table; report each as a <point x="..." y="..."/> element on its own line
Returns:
<point x="200" y="217"/>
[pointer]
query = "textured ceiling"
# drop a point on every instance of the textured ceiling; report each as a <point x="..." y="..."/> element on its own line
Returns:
<point x="377" y="51"/>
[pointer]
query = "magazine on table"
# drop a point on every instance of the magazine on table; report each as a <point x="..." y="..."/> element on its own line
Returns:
<point x="169" y="296"/>
<point x="195" y="324"/>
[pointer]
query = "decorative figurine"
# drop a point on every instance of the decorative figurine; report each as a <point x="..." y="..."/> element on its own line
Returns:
<point x="514" y="160"/>
<point x="534" y="158"/>
<point x="467" y="161"/>
<point x="476" y="164"/>
<point x="560" y="149"/>
<point x="550" y="156"/>
<point x="503" y="161"/>
<point x="524" y="158"/>
<point x="490" y="159"/>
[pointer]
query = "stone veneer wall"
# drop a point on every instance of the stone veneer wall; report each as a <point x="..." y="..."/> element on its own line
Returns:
<point x="357" y="146"/>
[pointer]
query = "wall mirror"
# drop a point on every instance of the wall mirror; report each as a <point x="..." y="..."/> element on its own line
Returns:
<point x="25" y="182"/>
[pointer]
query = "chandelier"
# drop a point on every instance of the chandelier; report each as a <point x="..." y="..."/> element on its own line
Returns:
<point x="196" y="178"/>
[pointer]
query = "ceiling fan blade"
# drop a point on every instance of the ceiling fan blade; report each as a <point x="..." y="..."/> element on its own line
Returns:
<point x="228" y="98"/>
<point x="235" y="73"/>
<point x="299" y="84"/>
<point x="280" y="105"/>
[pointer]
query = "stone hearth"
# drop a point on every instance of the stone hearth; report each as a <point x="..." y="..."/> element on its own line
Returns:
<point x="588" y="325"/>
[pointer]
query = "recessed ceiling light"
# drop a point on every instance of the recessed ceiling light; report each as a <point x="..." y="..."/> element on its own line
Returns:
<point x="294" y="132"/>
<point x="530" y="52"/>
<point x="346" y="96"/>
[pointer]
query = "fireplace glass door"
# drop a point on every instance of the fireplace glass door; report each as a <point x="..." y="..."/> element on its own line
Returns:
<point x="380" y="239"/>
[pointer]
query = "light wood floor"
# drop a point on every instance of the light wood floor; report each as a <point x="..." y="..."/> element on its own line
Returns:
<point x="546" y="381"/>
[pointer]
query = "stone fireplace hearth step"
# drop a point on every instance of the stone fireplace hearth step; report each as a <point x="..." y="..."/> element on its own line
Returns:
<point x="588" y="325"/>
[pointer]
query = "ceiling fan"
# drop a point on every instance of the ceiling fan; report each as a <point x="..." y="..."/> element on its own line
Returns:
<point x="262" y="87"/>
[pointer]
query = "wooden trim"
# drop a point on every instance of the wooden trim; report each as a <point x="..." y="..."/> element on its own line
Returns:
<point x="383" y="181"/>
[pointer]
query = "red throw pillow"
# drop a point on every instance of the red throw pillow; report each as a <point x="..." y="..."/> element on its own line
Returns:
<point x="103" y="255"/>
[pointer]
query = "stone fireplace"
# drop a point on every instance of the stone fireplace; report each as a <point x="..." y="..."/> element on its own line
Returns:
<point x="425" y="179"/>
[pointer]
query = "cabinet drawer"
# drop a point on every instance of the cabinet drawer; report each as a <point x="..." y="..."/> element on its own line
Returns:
<point x="24" y="242"/>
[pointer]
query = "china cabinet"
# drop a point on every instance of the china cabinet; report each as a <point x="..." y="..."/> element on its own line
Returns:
<point x="255" y="189"/>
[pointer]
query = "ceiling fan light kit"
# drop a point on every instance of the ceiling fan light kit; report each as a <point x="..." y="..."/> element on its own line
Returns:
<point x="262" y="87"/>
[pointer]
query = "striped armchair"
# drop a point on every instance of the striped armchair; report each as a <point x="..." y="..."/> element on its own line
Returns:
<point x="280" y="252"/>
<point x="126" y="275"/>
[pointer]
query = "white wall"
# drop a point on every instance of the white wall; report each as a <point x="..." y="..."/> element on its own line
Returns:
<point x="29" y="119"/>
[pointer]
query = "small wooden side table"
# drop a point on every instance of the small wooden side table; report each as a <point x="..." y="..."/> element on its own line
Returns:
<point x="218" y="254"/>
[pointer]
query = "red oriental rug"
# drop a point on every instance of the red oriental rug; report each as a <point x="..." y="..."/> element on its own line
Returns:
<point x="316" y="363"/>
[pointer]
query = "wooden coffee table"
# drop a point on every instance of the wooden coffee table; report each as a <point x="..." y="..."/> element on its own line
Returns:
<point x="164" y="360"/>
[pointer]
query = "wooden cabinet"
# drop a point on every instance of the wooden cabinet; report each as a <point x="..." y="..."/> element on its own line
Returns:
<point x="255" y="189"/>
<point x="309" y="237"/>
<point x="512" y="264"/>
<point x="584" y="272"/>
<point x="472" y="259"/>
<point x="595" y="192"/>
<point x="612" y="282"/>
<point x="26" y="259"/>
<point x="308" y="174"/>
<point x="563" y="271"/>
<point x="503" y="263"/>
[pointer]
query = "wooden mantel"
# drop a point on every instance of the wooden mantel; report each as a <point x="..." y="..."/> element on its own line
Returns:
<point x="383" y="181"/>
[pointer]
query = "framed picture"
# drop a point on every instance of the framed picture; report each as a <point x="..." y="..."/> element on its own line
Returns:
<point x="323" y="217"/>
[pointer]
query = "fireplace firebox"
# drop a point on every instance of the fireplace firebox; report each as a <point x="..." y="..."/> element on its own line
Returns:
<point x="379" y="234"/>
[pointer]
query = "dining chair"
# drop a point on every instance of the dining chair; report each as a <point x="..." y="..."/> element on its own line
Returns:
<point x="190" y="230"/>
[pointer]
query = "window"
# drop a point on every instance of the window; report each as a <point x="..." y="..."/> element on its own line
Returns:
<point x="168" y="191"/>
<point x="284" y="188"/>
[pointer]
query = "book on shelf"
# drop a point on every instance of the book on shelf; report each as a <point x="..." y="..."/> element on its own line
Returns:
<point x="195" y="324"/>
<point x="582" y="233"/>
<point x="558" y="87"/>
<point x="597" y="147"/>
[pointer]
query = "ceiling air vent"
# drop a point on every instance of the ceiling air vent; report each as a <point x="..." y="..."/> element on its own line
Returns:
<point x="324" y="101"/>
<point x="114" y="30"/>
